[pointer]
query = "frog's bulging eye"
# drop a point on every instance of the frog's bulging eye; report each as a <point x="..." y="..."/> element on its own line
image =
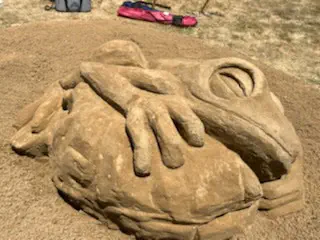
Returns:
<point x="231" y="82"/>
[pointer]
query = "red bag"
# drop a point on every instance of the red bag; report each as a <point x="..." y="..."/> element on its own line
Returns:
<point x="151" y="15"/>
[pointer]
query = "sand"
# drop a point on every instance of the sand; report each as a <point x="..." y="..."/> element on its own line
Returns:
<point x="282" y="33"/>
<point x="32" y="56"/>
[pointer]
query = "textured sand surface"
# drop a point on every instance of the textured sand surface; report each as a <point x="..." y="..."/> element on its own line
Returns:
<point x="34" y="55"/>
<point x="284" y="34"/>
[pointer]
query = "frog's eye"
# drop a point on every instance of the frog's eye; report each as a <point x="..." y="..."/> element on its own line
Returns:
<point x="231" y="82"/>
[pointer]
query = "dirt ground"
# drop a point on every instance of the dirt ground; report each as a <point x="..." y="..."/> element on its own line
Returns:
<point x="284" y="34"/>
<point x="32" y="56"/>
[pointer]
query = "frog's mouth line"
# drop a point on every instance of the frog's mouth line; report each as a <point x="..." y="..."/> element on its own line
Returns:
<point x="284" y="154"/>
<point x="249" y="121"/>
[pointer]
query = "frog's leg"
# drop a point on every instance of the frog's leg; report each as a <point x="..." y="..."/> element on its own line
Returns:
<point x="35" y="122"/>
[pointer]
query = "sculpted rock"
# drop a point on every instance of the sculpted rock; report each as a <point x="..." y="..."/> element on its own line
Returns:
<point x="172" y="149"/>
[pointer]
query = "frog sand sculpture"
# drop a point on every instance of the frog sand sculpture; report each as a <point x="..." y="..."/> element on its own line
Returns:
<point x="166" y="149"/>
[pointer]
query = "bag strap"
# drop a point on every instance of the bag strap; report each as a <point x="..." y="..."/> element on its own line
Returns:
<point x="67" y="7"/>
<point x="156" y="4"/>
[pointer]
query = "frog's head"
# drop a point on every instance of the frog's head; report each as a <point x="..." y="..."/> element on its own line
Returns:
<point x="232" y="98"/>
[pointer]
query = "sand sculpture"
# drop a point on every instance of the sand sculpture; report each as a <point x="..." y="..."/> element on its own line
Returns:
<point x="168" y="149"/>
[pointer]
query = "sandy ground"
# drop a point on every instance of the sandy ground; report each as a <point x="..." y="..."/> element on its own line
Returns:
<point x="284" y="34"/>
<point x="280" y="33"/>
<point x="33" y="56"/>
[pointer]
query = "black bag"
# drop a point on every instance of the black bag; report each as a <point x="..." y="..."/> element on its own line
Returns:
<point x="70" y="5"/>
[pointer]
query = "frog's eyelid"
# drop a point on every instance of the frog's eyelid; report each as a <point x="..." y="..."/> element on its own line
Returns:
<point x="234" y="81"/>
<point x="255" y="86"/>
<point x="240" y="84"/>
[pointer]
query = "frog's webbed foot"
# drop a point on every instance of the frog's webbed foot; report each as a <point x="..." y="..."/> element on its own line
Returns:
<point x="35" y="122"/>
<point x="148" y="101"/>
<point x="166" y="120"/>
